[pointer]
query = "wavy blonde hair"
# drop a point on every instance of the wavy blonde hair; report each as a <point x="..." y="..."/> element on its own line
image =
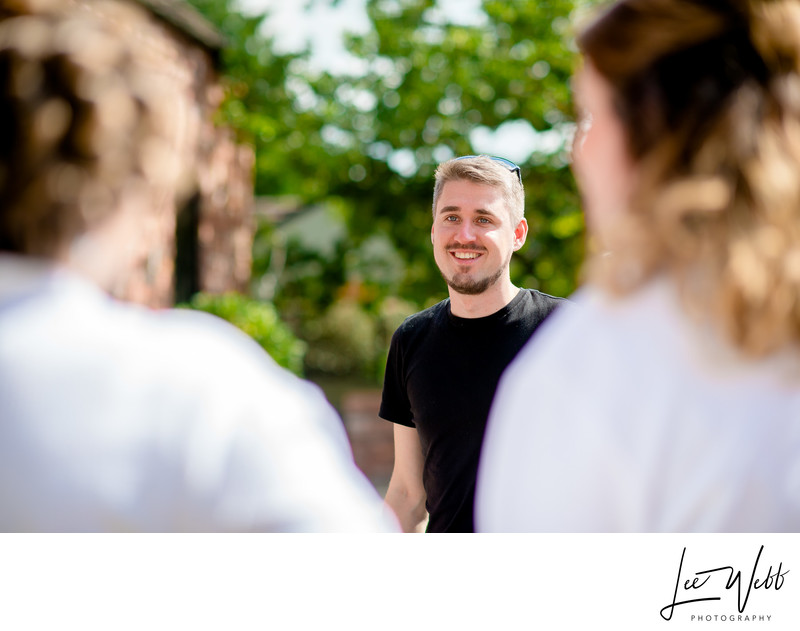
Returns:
<point x="709" y="95"/>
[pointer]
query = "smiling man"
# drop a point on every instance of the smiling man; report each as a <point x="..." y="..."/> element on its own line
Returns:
<point x="445" y="362"/>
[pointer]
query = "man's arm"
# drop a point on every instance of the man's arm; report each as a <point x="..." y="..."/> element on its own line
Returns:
<point x="406" y="494"/>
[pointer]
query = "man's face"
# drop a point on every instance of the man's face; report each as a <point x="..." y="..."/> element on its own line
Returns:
<point x="473" y="236"/>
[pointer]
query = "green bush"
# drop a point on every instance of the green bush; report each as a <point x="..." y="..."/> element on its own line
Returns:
<point x="259" y="320"/>
<point x="349" y="340"/>
<point x="342" y="341"/>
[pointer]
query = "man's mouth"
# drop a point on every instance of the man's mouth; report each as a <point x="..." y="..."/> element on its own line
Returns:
<point x="464" y="256"/>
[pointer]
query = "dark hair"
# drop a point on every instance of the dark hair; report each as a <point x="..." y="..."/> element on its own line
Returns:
<point x="673" y="66"/>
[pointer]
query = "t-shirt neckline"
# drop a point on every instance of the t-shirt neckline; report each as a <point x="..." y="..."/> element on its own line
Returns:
<point x="492" y="317"/>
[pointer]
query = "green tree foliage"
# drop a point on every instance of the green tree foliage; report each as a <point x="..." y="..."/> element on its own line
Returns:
<point x="260" y="104"/>
<point x="432" y="84"/>
<point x="365" y="146"/>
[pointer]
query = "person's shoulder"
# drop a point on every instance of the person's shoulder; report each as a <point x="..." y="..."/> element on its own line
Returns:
<point x="591" y="322"/>
<point x="210" y="339"/>
<point x="543" y="297"/>
<point x="430" y="313"/>
<point x="227" y="369"/>
<point x="193" y="347"/>
<point x="546" y="303"/>
<point x="423" y="319"/>
<point x="190" y="360"/>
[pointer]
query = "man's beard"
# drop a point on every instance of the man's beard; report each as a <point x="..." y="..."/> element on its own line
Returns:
<point x="463" y="283"/>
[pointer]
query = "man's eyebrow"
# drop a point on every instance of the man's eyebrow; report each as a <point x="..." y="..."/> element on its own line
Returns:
<point x="457" y="209"/>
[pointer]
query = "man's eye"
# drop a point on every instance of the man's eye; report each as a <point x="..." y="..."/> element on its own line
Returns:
<point x="483" y="220"/>
<point x="451" y="218"/>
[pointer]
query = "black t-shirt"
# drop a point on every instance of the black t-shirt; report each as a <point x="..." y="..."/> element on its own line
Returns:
<point x="441" y="376"/>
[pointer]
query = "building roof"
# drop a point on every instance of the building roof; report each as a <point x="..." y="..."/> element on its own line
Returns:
<point x="188" y="20"/>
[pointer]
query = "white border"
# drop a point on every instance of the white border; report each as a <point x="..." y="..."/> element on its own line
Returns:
<point x="385" y="582"/>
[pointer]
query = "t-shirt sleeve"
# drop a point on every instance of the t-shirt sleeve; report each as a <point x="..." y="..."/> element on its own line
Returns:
<point x="547" y="304"/>
<point x="395" y="404"/>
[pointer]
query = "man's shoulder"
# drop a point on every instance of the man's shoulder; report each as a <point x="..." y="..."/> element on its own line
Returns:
<point x="546" y="302"/>
<point x="423" y="319"/>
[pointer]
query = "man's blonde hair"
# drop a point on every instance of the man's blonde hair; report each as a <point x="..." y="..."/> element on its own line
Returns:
<point x="483" y="170"/>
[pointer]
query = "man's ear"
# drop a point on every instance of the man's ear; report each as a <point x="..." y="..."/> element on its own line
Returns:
<point x="520" y="234"/>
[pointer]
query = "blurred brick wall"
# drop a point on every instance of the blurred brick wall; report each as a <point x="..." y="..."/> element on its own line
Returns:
<point x="226" y="211"/>
<point x="218" y="170"/>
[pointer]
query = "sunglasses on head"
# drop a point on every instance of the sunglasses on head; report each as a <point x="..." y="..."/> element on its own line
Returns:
<point x="506" y="163"/>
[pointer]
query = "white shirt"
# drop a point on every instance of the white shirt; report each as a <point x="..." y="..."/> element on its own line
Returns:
<point x="117" y="418"/>
<point x="622" y="415"/>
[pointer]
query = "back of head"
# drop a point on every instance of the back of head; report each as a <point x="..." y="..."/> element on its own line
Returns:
<point x="87" y="128"/>
<point x="494" y="172"/>
<point x="708" y="94"/>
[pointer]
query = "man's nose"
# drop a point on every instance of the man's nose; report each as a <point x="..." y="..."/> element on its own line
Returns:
<point x="466" y="232"/>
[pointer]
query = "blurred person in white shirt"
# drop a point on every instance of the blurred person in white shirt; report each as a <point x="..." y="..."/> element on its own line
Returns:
<point x="669" y="398"/>
<point x="114" y="417"/>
